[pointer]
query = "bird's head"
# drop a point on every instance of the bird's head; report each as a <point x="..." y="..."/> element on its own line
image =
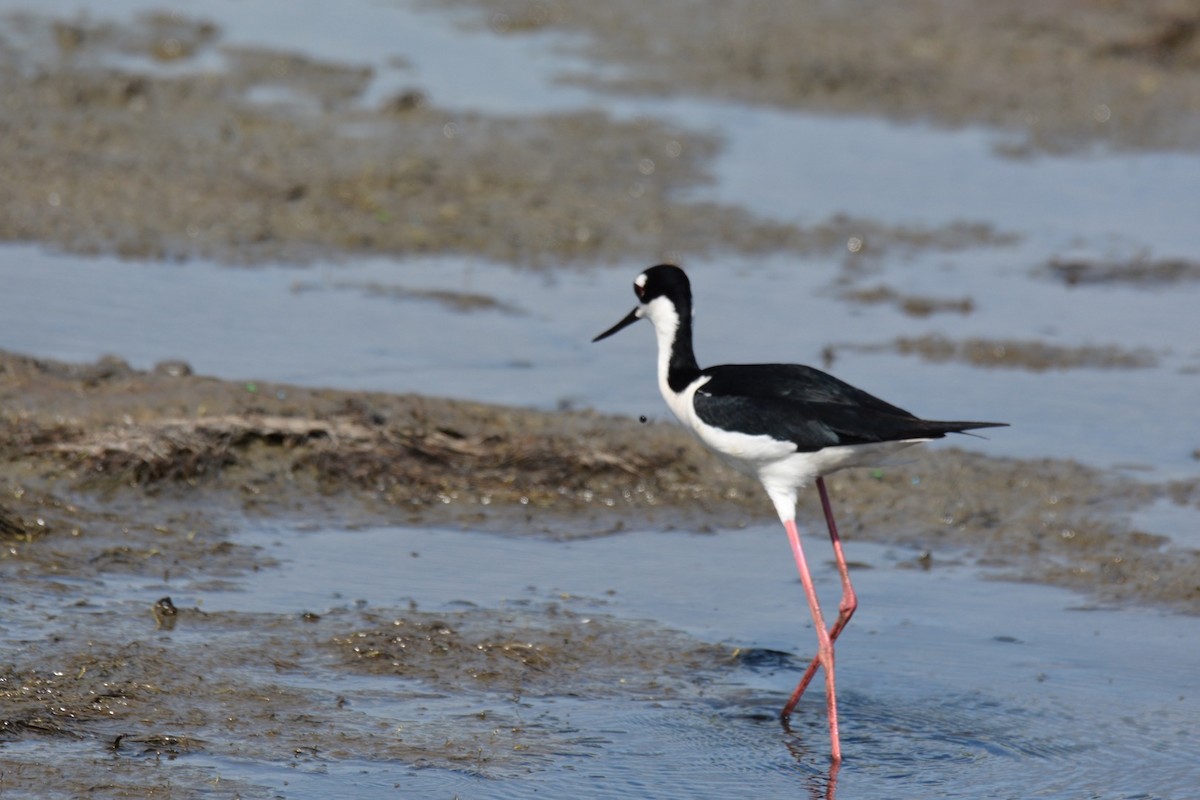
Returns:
<point x="664" y="296"/>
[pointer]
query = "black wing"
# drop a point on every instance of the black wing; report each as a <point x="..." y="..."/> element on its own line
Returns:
<point x="808" y="407"/>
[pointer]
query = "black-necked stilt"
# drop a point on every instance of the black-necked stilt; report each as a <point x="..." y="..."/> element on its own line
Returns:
<point x="787" y="425"/>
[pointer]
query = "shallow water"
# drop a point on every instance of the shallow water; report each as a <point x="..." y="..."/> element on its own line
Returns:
<point x="325" y="327"/>
<point x="952" y="685"/>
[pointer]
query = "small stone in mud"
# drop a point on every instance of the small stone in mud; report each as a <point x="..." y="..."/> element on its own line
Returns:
<point x="408" y="100"/>
<point x="161" y="744"/>
<point x="173" y="368"/>
<point x="758" y="658"/>
<point x="106" y="368"/>
<point x="165" y="607"/>
<point x="165" y="613"/>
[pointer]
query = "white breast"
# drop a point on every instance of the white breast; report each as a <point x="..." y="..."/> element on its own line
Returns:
<point x="746" y="453"/>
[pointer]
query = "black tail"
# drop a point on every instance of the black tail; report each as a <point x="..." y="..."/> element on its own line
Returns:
<point x="937" y="428"/>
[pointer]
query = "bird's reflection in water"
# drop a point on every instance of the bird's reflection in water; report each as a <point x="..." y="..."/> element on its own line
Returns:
<point x="819" y="784"/>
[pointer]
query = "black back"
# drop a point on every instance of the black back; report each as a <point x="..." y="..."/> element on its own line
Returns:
<point x="808" y="407"/>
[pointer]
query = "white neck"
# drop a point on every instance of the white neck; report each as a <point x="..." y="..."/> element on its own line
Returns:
<point x="662" y="313"/>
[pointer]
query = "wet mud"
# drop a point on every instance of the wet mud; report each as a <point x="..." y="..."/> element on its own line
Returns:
<point x="153" y="164"/>
<point x="912" y="305"/>
<point x="132" y="692"/>
<point x="1138" y="272"/>
<point x="81" y="443"/>
<point x="1032" y="355"/>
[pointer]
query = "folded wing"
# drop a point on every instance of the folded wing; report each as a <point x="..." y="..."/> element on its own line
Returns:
<point x="808" y="407"/>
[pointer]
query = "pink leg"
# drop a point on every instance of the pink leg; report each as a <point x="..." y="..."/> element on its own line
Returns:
<point x="845" y="609"/>
<point x="824" y="642"/>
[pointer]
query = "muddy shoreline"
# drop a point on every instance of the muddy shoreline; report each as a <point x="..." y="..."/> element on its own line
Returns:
<point x="77" y="441"/>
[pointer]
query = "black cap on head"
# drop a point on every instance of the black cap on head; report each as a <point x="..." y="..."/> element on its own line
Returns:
<point x="661" y="280"/>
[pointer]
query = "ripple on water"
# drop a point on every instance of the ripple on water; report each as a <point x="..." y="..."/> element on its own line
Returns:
<point x="974" y="745"/>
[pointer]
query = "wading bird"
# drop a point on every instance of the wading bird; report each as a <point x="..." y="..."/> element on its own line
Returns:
<point x="787" y="425"/>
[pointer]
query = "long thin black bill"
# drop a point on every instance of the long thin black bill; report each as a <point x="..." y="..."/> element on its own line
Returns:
<point x="629" y="320"/>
